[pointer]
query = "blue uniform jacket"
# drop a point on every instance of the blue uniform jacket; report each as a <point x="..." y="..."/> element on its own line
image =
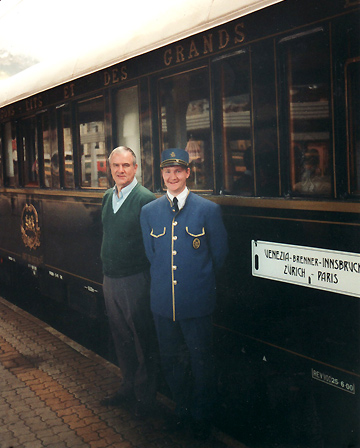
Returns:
<point x="185" y="250"/>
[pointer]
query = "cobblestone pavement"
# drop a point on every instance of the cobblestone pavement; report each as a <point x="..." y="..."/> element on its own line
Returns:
<point x="51" y="389"/>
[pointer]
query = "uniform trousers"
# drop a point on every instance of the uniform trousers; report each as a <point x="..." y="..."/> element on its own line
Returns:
<point x="128" y="308"/>
<point x="188" y="364"/>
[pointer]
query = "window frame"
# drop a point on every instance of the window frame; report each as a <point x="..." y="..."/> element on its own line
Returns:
<point x="219" y="116"/>
<point x="350" y="132"/>
<point x="285" y="116"/>
<point x="78" y="153"/>
<point x="172" y="74"/>
<point x="115" y="129"/>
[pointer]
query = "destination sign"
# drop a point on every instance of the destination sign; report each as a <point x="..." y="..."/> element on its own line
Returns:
<point x="329" y="270"/>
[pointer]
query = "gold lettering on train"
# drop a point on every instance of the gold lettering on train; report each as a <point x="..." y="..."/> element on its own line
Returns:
<point x="33" y="103"/>
<point x="224" y="38"/>
<point x="193" y="51"/>
<point x="8" y="112"/>
<point x="239" y="33"/>
<point x="107" y="78"/>
<point x="69" y="91"/>
<point x="123" y="73"/>
<point x="208" y="44"/>
<point x="180" y="54"/>
<point x="167" y="57"/>
<point x="115" y="75"/>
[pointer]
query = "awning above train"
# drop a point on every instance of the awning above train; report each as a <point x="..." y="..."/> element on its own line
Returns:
<point x="177" y="21"/>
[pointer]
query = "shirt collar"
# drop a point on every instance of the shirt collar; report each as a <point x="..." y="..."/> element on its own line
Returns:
<point x="126" y="190"/>
<point x="180" y="197"/>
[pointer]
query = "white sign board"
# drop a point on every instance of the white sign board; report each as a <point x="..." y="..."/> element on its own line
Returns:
<point x="329" y="270"/>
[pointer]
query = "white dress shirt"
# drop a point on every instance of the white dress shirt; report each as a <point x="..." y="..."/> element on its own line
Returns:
<point x="180" y="197"/>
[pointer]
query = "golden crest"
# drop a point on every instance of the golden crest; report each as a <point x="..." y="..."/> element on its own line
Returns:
<point x="30" y="229"/>
<point x="173" y="154"/>
<point x="196" y="243"/>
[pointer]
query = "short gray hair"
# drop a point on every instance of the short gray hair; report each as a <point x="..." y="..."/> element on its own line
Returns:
<point x="121" y="150"/>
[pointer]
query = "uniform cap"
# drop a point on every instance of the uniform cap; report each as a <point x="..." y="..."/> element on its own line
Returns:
<point x="174" y="156"/>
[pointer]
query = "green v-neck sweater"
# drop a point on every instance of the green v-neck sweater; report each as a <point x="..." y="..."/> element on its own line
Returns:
<point x="122" y="249"/>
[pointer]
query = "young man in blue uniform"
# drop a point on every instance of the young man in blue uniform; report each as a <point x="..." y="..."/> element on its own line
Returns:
<point x="186" y="243"/>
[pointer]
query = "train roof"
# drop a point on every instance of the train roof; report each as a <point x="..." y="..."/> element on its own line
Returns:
<point x="178" y="21"/>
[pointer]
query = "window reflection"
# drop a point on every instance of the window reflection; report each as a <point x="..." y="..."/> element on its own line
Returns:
<point x="128" y="123"/>
<point x="308" y="91"/>
<point x="30" y="152"/>
<point x="185" y="123"/>
<point x="92" y="143"/>
<point x="67" y="146"/>
<point x="51" y="156"/>
<point x="353" y="99"/>
<point x="264" y="120"/>
<point x="236" y="126"/>
<point x="11" y="168"/>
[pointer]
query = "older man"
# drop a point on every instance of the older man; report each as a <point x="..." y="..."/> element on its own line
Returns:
<point x="126" y="283"/>
<point x="186" y="243"/>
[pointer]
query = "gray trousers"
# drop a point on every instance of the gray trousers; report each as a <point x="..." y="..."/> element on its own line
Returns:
<point x="127" y="304"/>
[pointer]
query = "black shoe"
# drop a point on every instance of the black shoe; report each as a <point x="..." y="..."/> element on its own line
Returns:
<point x="201" y="429"/>
<point x="176" y="424"/>
<point x="115" y="400"/>
<point x="141" y="410"/>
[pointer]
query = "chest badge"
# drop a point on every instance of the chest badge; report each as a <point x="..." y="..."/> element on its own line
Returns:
<point x="196" y="243"/>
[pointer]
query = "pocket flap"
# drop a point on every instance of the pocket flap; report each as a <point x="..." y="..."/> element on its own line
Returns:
<point x="157" y="235"/>
<point x="195" y="235"/>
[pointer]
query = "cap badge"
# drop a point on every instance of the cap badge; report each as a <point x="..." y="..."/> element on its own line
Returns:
<point x="173" y="154"/>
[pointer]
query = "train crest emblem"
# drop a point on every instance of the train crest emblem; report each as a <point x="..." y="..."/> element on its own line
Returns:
<point x="30" y="230"/>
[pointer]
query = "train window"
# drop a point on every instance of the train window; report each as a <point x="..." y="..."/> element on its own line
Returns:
<point x="66" y="143"/>
<point x="307" y="81"/>
<point x="11" y="157"/>
<point x="128" y="122"/>
<point x="185" y="123"/>
<point x="51" y="156"/>
<point x="267" y="176"/>
<point x="353" y="118"/>
<point x="92" y="143"/>
<point x="30" y="152"/>
<point x="236" y="125"/>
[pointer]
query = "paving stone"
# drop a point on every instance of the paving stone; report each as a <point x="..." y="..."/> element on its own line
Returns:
<point x="27" y="439"/>
<point x="51" y="389"/>
<point x="44" y="433"/>
<point x="35" y="444"/>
